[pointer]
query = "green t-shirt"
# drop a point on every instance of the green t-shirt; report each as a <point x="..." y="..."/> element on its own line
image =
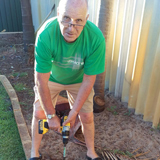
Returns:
<point x="67" y="62"/>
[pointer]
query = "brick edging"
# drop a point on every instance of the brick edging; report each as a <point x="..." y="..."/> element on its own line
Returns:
<point x="22" y="128"/>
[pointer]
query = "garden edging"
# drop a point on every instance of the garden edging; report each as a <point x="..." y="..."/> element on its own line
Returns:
<point x="22" y="128"/>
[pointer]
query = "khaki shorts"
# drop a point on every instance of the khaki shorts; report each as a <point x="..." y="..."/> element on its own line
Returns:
<point x="72" y="91"/>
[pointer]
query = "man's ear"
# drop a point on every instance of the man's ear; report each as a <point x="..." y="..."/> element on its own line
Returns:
<point x="57" y="11"/>
<point x="87" y="17"/>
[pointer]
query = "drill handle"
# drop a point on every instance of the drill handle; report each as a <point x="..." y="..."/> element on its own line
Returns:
<point x="43" y="126"/>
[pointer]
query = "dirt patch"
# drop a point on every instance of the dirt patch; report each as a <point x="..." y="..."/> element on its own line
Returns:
<point x="116" y="129"/>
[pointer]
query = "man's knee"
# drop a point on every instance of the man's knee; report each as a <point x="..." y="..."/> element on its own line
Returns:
<point x="39" y="114"/>
<point x="86" y="117"/>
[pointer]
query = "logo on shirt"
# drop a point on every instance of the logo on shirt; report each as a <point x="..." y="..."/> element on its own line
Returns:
<point x="70" y="62"/>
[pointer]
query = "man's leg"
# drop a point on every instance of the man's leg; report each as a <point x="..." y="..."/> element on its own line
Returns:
<point x="39" y="114"/>
<point x="86" y="116"/>
<point x="87" y="120"/>
<point x="36" y="137"/>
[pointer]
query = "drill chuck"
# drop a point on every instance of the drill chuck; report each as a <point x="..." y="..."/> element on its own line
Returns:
<point x="65" y="134"/>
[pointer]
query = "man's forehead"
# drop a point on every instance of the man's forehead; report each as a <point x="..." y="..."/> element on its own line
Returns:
<point x="74" y="16"/>
<point x="73" y="4"/>
<point x="75" y="12"/>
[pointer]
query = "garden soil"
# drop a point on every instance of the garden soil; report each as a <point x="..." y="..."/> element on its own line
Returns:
<point x="117" y="128"/>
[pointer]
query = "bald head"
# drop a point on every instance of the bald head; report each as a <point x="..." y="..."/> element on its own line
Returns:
<point x="63" y="4"/>
<point x="72" y="12"/>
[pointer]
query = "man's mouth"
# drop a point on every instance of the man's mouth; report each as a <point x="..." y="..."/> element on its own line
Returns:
<point x="70" y="34"/>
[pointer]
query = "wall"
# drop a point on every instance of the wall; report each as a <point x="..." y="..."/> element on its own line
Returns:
<point x="133" y="56"/>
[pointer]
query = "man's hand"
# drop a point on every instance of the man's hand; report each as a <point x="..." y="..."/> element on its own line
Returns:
<point x="71" y="118"/>
<point x="54" y="123"/>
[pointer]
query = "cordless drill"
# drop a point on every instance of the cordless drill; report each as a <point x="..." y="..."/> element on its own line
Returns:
<point x="43" y="128"/>
<point x="65" y="135"/>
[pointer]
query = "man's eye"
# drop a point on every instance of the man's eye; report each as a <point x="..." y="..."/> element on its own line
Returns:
<point x="78" y="20"/>
<point x="65" y="18"/>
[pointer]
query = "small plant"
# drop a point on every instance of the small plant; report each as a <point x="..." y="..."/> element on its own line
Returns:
<point x="20" y="87"/>
<point x="156" y="128"/>
<point x="23" y="103"/>
<point x="14" y="48"/>
<point x="118" y="152"/>
<point x="129" y="154"/>
<point x="26" y="105"/>
<point x="30" y="92"/>
<point x="113" y="110"/>
<point x="127" y="113"/>
<point x="126" y="153"/>
<point x="22" y="74"/>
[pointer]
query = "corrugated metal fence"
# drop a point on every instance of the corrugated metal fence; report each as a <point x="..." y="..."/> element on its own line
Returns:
<point x="133" y="56"/>
<point x="133" y="50"/>
<point x="10" y="15"/>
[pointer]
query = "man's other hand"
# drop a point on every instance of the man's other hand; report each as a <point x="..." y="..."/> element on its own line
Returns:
<point x="54" y="123"/>
<point x="71" y="118"/>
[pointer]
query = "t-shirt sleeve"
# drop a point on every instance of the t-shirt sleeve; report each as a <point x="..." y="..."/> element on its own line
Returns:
<point x="43" y="55"/>
<point x="95" y="62"/>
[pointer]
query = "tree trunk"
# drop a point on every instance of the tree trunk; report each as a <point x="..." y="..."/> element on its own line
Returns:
<point x="103" y="24"/>
<point x="28" y="30"/>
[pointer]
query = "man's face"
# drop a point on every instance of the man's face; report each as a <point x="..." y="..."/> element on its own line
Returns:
<point x="70" y="13"/>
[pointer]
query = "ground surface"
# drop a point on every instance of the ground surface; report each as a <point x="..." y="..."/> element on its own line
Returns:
<point x="116" y="129"/>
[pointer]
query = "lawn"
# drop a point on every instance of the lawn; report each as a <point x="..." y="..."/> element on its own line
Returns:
<point x="10" y="142"/>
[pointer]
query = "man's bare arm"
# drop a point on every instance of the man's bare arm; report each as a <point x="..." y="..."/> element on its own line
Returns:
<point x="84" y="91"/>
<point x="41" y="80"/>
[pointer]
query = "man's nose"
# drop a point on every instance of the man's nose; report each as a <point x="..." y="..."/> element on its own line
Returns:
<point x="71" y="27"/>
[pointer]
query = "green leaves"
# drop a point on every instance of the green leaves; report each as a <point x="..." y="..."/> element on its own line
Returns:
<point x="113" y="110"/>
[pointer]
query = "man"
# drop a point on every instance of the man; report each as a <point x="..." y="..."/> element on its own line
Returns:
<point x="69" y="53"/>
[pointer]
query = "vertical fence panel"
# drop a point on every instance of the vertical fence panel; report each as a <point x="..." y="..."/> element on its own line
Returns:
<point x="40" y="9"/>
<point x="10" y="15"/>
<point x="156" y="118"/>
<point x="137" y="58"/>
<point x="13" y="15"/>
<point x="18" y="14"/>
<point x="153" y="82"/>
<point x="149" y="58"/>
<point x="115" y="47"/>
<point x="110" y="42"/>
<point x="129" y="55"/>
<point x="154" y="87"/>
<point x="122" y="53"/>
<point x="3" y="15"/>
<point x="1" y="24"/>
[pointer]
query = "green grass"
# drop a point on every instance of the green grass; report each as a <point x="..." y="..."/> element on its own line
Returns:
<point x="20" y="87"/>
<point x="17" y="74"/>
<point x="10" y="143"/>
